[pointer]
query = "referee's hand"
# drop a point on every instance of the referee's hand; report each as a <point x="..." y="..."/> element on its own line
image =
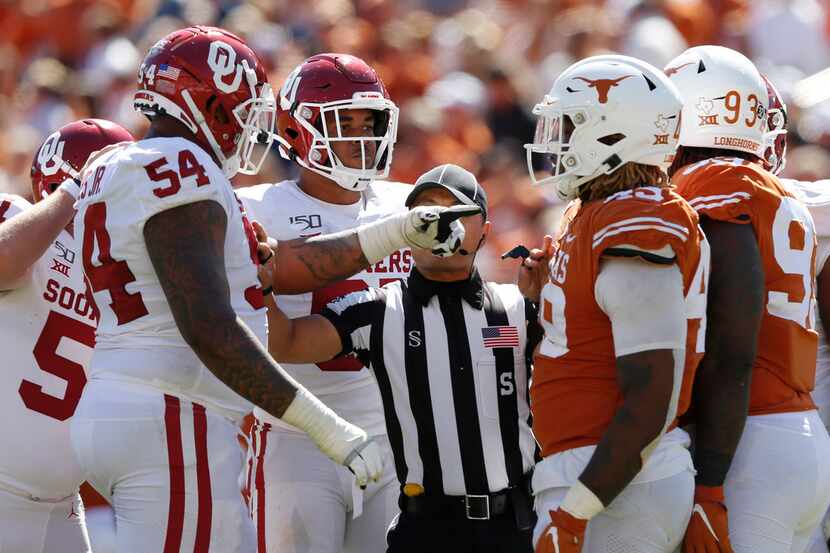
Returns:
<point x="437" y="228"/>
<point x="366" y="462"/>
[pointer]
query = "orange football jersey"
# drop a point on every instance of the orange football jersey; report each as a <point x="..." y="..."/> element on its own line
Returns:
<point x="574" y="394"/>
<point x="738" y="191"/>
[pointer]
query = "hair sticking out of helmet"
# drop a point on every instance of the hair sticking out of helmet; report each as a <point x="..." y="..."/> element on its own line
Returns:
<point x="315" y="117"/>
<point x="630" y="175"/>
<point x="604" y="113"/>
<point x="775" y="141"/>
<point x="65" y="152"/>
<point x="214" y="84"/>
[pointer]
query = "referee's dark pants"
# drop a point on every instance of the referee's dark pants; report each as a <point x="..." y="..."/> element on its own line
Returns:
<point x="496" y="523"/>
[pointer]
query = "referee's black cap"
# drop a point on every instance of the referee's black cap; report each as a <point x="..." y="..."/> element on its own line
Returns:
<point x="456" y="180"/>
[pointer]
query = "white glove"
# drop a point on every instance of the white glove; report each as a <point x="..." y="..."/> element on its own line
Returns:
<point x="434" y="228"/>
<point x="366" y="462"/>
<point x="71" y="187"/>
<point x="341" y="441"/>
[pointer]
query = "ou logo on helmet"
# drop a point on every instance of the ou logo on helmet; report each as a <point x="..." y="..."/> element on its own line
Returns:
<point x="222" y="60"/>
<point x="50" y="156"/>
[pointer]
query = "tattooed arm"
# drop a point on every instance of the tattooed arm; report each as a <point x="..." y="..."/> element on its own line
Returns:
<point x="187" y="247"/>
<point x="306" y="264"/>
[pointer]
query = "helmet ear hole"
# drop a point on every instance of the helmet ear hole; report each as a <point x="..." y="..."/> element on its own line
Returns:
<point x="216" y="111"/>
<point x="611" y="139"/>
<point x="292" y="133"/>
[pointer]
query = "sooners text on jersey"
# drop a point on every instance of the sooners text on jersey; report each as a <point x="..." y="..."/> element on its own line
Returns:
<point x="47" y="332"/>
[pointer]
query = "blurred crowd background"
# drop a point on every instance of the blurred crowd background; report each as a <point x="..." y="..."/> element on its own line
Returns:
<point x="465" y="73"/>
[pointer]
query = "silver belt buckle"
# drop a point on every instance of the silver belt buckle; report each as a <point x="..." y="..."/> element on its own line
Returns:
<point x="485" y="498"/>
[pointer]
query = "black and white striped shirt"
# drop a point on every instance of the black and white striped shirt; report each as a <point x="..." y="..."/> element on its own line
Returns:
<point x="453" y="374"/>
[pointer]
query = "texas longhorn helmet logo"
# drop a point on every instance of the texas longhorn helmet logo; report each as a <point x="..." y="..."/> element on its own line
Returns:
<point x="669" y="71"/>
<point x="603" y="86"/>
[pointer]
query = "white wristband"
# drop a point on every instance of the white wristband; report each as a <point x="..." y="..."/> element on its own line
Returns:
<point x="581" y="502"/>
<point x="71" y="187"/>
<point x="380" y="238"/>
<point x="335" y="437"/>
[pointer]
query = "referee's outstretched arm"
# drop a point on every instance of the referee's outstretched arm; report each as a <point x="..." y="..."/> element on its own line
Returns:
<point x="310" y="339"/>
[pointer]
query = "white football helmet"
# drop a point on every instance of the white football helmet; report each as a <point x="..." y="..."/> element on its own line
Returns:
<point x="601" y="113"/>
<point x="724" y="99"/>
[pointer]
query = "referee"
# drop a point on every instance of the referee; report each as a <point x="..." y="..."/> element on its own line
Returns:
<point x="450" y="354"/>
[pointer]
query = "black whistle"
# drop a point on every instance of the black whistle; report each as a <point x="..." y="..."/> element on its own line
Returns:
<point x="516" y="253"/>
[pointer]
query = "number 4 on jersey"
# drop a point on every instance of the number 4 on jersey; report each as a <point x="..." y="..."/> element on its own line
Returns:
<point x="108" y="274"/>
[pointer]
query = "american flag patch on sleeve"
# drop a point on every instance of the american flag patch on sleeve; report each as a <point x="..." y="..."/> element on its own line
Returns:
<point x="168" y="72"/>
<point x="500" y="336"/>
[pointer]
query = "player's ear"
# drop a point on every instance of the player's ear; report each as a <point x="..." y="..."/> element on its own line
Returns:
<point x="485" y="230"/>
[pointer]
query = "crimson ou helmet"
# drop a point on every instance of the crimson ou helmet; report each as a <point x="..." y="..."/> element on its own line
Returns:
<point x="314" y="97"/>
<point x="212" y="82"/>
<point x="775" y="150"/>
<point x="64" y="152"/>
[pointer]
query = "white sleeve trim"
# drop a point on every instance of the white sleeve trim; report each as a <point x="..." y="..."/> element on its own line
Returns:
<point x="640" y="223"/>
<point x="644" y="302"/>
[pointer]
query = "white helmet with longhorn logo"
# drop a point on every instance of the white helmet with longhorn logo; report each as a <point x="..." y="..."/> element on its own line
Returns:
<point x="601" y="113"/>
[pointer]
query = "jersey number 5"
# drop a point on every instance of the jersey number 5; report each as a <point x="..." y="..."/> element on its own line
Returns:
<point x="58" y="327"/>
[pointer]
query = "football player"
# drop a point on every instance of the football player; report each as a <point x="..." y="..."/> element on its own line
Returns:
<point x="339" y="126"/>
<point x="768" y="470"/>
<point x="47" y="331"/>
<point x="816" y="196"/>
<point x="172" y="261"/>
<point x="624" y="313"/>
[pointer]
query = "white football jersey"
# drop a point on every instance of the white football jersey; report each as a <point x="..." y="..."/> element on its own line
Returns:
<point x="286" y="212"/>
<point x="137" y="339"/>
<point x="47" y="332"/>
<point x="816" y="196"/>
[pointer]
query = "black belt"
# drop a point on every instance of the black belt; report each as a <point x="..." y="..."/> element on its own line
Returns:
<point x="471" y="507"/>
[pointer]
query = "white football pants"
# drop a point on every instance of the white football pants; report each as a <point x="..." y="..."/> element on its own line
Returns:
<point x="170" y="468"/>
<point x="303" y="502"/>
<point x="778" y="487"/>
<point x="650" y="517"/>
<point x="28" y="526"/>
